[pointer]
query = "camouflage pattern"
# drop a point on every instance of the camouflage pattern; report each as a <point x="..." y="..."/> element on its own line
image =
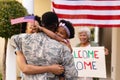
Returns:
<point x="39" y="49"/>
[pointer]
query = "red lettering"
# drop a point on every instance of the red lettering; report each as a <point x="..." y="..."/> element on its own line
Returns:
<point x="79" y="54"/>
<point x="96" y="55"/>
<point x="87" y="64"/>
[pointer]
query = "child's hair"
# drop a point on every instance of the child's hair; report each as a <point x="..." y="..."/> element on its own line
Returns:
<point x="70" y="27"/>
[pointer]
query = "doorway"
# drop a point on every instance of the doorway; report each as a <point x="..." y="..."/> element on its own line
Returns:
<point x="105" y="39"/>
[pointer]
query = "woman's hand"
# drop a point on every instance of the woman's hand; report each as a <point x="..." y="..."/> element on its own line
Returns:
<point x="106" y="51"/>
<point x="56" y="69"/>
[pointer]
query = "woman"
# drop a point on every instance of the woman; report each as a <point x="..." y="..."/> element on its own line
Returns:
<point x="84" y="37"/>
<point x="29" y="28"/>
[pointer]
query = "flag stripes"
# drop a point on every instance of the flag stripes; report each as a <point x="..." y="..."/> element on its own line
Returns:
<point x="22" y="19"/>
<point x="99" y="13"/>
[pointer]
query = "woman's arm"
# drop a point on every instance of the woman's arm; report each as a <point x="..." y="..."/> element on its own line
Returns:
<point x="15" y="42"/>
<point x="32" y="69"/>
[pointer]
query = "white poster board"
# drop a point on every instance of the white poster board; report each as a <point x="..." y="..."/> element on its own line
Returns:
<point x="90" y="61"/>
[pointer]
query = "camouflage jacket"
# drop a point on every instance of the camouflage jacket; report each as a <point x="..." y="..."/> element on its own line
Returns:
<point x="39" y="49"/>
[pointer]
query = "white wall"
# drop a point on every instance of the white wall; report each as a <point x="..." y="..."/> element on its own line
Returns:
<point x="1" y="52"/>
<point x="116" y="53"/>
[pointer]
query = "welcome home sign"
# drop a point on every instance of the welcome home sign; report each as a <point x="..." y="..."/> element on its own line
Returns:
<point x="90" y="61"/>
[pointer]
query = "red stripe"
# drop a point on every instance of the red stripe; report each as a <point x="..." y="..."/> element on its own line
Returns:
<point x="88" y="15"/>
<point x="94" y="25"/>
<point x="84" y="7"/>
<point x="95" y="17"/>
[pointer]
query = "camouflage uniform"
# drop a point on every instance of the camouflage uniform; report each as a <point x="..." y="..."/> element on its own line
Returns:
<point x="40" y="50"/>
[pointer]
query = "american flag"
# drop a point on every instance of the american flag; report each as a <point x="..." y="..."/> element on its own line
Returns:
<point x="101" y="13"/>
<point x="22" y="19"/>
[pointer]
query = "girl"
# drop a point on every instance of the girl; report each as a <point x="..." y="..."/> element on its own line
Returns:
<point x="64" y="32"/>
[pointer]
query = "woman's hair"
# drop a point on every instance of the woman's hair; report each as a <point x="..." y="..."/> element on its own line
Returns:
<point x="70" y="27"/>
<point x="85" y="29"/>
<point x="38" y="19"/>
<point x="23" y="27"/>
<point x="50" y="21"/>
<point x="24" y="24"/>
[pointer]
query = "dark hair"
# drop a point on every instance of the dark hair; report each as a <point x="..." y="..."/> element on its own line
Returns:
<point x="23" y="27"/>
<point x="70" y="27"/>
<point x="24" y="24"/>
<point x="50" y="21"/>
<point x="37" y="18"/>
